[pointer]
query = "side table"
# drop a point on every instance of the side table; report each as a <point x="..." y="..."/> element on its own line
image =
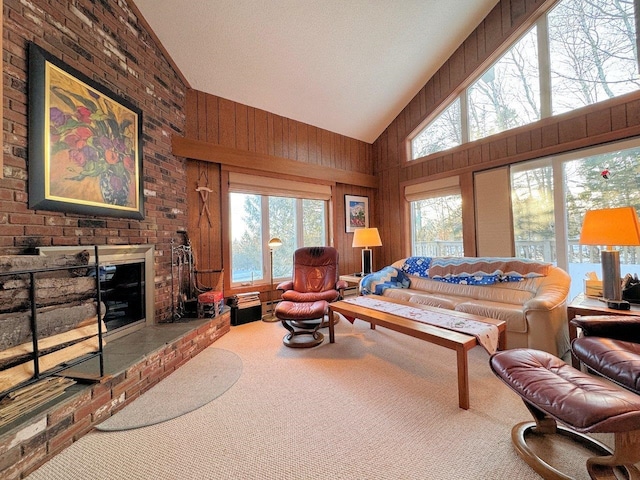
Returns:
<point x="354" y="284"/>
<point x="586" y="306"/>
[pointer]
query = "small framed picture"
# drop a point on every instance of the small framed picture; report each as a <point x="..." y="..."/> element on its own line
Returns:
<point x="356" y="212"/>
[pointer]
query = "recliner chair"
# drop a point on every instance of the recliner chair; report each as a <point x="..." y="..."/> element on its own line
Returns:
<point x="307" y="295"/>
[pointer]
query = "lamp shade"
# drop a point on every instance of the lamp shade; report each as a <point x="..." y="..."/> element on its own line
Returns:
<point x="611" y="226"/>
<point x="274" y="242"/>
<point x="366" y="237"/>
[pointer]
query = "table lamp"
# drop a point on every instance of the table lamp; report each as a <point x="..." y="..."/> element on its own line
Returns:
<point x="275" y="242"/>
<point x="608" y="227"/>
<point x="366" y="237"/>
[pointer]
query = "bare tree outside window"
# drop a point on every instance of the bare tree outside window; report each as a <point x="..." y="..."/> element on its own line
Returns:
<point x="444" y="132"/>
<point x="507" y="95"/>
<point x="593" y="52"/>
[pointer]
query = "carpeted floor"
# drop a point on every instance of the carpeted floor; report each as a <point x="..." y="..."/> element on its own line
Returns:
<point x="376" y="405"/>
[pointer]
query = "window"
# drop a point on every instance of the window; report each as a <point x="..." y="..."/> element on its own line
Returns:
<point x="436" y="218"/>
<point x="507" y="95"/>
<point x="544" y="216"/>
<point x="263" y="208"/>
<point x="443" y="132"/>
<point x="587" y="55"/>
<point x="592" y="52"/>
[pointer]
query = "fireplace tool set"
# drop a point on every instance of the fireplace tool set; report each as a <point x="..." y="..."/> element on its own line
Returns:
<point x="184" y="277"/>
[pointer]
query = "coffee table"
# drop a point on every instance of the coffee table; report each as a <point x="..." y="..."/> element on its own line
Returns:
<point x="460" y="342"/>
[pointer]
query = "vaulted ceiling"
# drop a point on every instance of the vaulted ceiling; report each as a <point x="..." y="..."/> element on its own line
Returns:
<point x="348" y="66"/>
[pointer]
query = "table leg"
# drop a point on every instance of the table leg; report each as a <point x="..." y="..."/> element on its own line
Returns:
<point x="463" y="378"/>
<point x="332" y="336"/>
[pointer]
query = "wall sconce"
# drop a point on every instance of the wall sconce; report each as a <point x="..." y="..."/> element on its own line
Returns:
<point x="366" y="237"/>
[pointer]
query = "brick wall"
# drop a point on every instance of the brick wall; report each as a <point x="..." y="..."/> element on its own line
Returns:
<point x="28" y="446"/>
<point x="104" y="40"/>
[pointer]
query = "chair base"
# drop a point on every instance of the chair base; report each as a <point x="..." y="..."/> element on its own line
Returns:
<point x="595" y="466"/>
<point x="311" y="339"/>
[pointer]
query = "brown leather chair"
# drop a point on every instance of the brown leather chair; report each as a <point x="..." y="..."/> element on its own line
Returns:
<point x="306" y="297"/>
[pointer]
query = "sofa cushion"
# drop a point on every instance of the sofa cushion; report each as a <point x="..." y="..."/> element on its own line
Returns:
<point x="448" y="302"/>
<point x="510" y="313"/>
<point x="517" y="292"/>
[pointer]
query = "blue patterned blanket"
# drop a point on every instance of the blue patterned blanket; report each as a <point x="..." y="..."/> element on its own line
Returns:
<point x="378" y="282"/>
<point x="475" y="270"/>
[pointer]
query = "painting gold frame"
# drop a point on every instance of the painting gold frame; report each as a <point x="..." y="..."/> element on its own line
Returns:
<point x="85" y="143"/>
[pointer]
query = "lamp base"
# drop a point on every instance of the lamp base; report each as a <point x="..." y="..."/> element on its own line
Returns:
<point x="618" y="304"/>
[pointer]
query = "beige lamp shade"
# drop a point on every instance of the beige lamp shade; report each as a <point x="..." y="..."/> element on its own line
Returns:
<point x="611" y="226"/>
<point x="366" y="237"/>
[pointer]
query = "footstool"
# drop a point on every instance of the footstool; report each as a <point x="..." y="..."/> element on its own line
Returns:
<point x="556" y="392"/>
<point x="210" y="304"/>
<point x="294" y="314"/>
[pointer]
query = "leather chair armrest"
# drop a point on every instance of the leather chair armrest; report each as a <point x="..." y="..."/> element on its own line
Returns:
<point x="341" y="285"/>
<point x="620" y="327"/>
<point x="284" y="286"/>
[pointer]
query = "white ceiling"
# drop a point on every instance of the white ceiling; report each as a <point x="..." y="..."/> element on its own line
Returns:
<point x="348" y="66"/>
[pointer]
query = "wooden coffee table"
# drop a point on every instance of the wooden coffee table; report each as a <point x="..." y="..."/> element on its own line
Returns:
<point x="459" y="342"/>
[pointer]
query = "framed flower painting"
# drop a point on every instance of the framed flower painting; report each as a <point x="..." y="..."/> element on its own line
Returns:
<point x="356" y="212"/>
<point x="85" y="143"/>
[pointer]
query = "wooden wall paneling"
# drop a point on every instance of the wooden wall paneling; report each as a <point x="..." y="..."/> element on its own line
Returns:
<point x="212" y="118"/>
<point x="505" y="12"/>
<point x="227" y="122"/>
<point x="277" y="136"/>
<point x="191" y="113"/>
<point x="270" y="134"/>
<point x="293" y="147"/>
<point x="242" y="127"/>
<point x="470" y="52"/>
<point x="302" y="142"/>
<point x="205" y="232"/>
<point x="261" y="131"/>
<point x="202" y="116"/>
<point x="457" y="70"/>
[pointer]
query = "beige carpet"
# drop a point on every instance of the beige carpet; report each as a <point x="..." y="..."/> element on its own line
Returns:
<point x="201" y="380"/>
<point x="375" y="405"/>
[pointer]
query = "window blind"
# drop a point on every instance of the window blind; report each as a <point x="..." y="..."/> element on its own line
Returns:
<point x="277" y="187"/>
<point x="433" y="188"/>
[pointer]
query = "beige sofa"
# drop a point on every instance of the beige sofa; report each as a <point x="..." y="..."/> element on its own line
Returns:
<point x="534" y="309"/>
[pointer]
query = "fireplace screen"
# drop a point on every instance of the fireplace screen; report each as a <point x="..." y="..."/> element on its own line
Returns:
<point x="123" y="294"/>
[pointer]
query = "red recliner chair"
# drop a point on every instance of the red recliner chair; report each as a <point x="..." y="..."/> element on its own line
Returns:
<point x="306" y="297"/>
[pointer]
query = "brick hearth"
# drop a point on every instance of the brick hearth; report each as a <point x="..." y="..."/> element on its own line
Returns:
<point x="129" y="372"/>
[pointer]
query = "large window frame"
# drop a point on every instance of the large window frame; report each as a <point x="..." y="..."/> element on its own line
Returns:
<point x="541" y="24"/>
<point x="434" y="191"/>
<point x="268" y="190"/>
<point x="560" y="215"/>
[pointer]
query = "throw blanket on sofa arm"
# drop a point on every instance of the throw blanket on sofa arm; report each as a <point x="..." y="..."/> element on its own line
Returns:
<point x="378" y="282"/>
<point x="485" y="270"/>
<point x="475" y="270"/>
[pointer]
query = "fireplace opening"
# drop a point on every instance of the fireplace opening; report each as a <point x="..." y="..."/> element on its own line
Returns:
<point x="126" y="284"/>
<point x="123" y="294"/>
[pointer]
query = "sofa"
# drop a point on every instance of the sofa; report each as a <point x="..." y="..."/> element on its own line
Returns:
<point x="531" y="297"/>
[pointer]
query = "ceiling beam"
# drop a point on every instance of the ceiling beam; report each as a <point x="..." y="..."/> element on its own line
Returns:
<point x="211" y="152"/>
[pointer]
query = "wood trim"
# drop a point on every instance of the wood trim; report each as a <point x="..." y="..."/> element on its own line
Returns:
<point x="209" y="152"/>
<point x="143" y="21"/>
